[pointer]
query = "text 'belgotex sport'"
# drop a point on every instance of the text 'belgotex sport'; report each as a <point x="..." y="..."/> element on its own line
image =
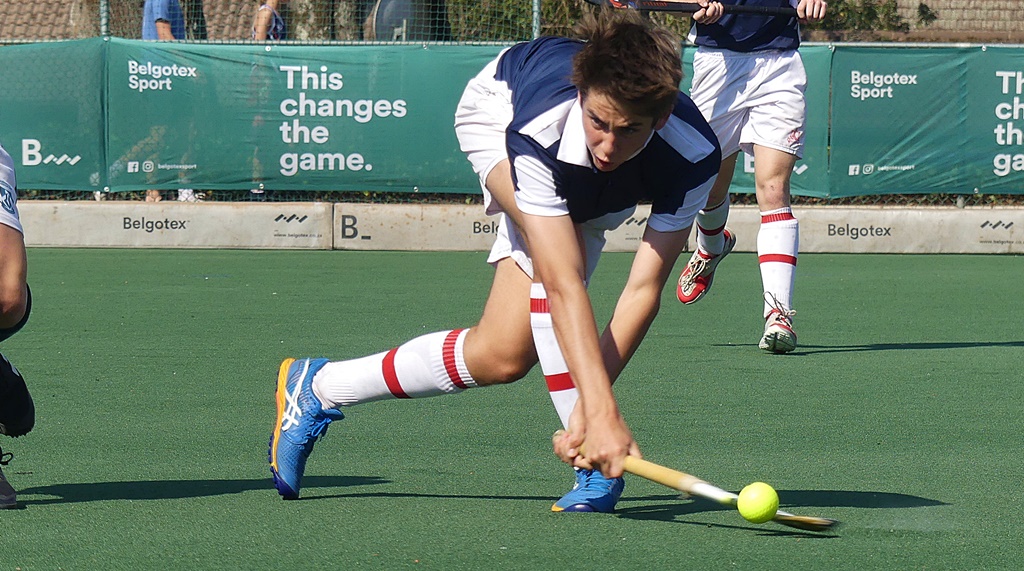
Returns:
<point x="148" y="76"/>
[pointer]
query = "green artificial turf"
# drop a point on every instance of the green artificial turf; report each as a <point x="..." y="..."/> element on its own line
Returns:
<point x="153" y="373"/>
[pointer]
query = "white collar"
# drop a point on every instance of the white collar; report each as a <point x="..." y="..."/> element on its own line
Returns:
<point x="573" y="147"/>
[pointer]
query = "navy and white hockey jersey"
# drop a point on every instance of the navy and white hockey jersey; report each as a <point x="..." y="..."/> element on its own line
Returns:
<point x="8" y="192"/>
<point x="552" y="167"/>
<point x="749" y="32"/>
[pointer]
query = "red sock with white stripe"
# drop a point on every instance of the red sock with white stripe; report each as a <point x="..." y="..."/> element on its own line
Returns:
<point x="556" y="373"/>
<point x="777" y="243"/>
<point x="426" y="366"/>
<point x="710" y="224"/>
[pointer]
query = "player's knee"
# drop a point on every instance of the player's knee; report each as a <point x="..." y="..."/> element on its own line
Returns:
<point x="772" y="195"/>
<point x="494" y="359"/>
<point x="501" y="371"/>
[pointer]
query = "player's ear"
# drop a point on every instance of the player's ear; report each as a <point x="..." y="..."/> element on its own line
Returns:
<point x="661" y="122"/>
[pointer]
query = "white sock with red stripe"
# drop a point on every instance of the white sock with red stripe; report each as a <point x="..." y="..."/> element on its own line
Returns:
<point x="777" y="243"/>
<point x="426" y="366"/>
<point x="710" y="224"/>
<point x="556" y="373"/>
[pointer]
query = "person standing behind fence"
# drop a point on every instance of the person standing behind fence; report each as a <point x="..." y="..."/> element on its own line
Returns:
<point x="748" y="81"/>
<point x="17" y="411"/>
<point x="195" y="19"/>
<point x="269" y="24"/>
<point x="164" y="20"/>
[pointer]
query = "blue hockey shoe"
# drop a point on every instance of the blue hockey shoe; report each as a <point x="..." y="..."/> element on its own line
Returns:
<point x="592" y="492"/>
<point x="301" y="421"/>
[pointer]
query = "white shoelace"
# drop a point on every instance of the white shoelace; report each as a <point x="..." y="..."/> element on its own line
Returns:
<point x="696" y="265"/>
<point x="779" y="311"/>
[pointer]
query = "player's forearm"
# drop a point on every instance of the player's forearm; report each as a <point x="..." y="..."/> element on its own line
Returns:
<point x="633" y="315"/>
<point x="13" y="264"/>
<point x="499" y="183"/>
<point x="640" y="300"/>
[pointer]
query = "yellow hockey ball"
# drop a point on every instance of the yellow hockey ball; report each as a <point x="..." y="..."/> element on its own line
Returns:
<point x="758" y="502"/>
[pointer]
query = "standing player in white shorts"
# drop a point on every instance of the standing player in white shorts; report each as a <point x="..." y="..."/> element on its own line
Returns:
<point x="566" y="137"/>
<point x="17" y="412"/>
<point x="748" y="81"/>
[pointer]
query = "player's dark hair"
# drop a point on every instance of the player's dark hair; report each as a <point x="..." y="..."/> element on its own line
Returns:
<point x="630" y="60"/>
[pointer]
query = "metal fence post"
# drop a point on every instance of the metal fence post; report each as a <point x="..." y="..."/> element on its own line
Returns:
<point x="105" y="18"/>
<point x="536" y="19"/>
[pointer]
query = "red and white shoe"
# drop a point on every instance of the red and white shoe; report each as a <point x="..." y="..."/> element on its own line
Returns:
<point x="779" y="336"/>
<point x="695" y="281"/>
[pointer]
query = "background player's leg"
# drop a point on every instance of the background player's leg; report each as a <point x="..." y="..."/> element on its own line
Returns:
<point x="714" y="242"/>
<point x="777" y="246"/>
<point x="712" y="218"/>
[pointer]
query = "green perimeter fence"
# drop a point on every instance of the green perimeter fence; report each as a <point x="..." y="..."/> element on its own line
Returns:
<point x="111" y="117"/>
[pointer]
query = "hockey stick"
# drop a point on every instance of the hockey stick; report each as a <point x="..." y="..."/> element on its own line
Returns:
<point x="691" y="7"/>
<point x="696" y="487"/>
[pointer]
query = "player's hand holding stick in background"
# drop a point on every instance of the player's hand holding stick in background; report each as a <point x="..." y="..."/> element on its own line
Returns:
<point x="811" y="11"/>
<point x="709" y="12"/>
<point x="694" y="7"/>
<point x="705" y="12"/>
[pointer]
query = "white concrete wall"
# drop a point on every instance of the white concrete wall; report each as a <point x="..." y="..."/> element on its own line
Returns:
<point x="975" y="230"/>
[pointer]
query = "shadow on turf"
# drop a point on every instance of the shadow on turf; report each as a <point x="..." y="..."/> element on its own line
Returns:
<point x="790" y="500"/>
<point x="175" y="489"/>
<point x="671" y="510"/>
<point x="812" y="349"/>
<point x="181" y="489"/>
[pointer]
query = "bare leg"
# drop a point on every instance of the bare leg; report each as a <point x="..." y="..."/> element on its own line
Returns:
<point x="499" y="349"/>
<point x="777" y="246"/>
